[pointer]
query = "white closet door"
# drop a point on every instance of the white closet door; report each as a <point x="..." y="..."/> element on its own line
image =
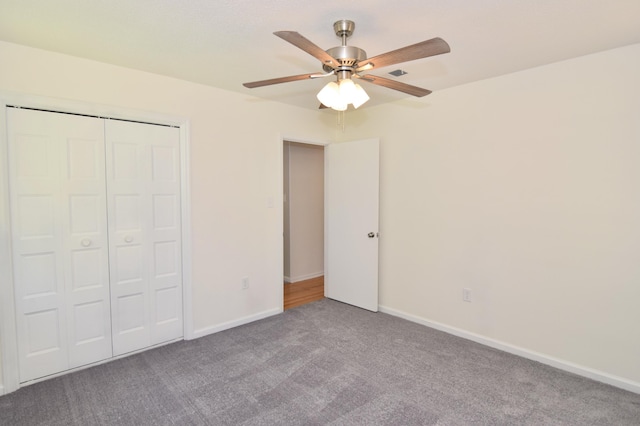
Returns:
<point x="143" y="189"/>
<point x="59" y="237"/>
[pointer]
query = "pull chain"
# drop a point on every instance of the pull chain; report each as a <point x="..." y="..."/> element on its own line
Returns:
<point x="340" y="118"/>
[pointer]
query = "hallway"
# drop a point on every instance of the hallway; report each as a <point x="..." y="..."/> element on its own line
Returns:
<point x="303" y="292"/>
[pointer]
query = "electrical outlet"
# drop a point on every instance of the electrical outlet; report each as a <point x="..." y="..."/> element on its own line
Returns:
<point x="466" y="294"/>
<point x="245" y="283"/>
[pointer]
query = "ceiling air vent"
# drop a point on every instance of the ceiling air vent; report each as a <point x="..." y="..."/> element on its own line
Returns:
<point x="398" y="73"/>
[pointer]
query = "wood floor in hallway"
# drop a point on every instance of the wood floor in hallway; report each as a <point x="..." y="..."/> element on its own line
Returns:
<point x="303" y="292"/>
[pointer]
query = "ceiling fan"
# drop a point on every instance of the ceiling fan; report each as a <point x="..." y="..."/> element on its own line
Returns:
<point x="349" y="62"/>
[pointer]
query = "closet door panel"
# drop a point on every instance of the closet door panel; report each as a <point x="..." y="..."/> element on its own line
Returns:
<point x="37" y="255"/>
<point x="58" y="218"/>
<point x="126" y="165"/>
<point x="166" y="277"/>
<point x="86" y="244"/>
<point x="144" y="193"/>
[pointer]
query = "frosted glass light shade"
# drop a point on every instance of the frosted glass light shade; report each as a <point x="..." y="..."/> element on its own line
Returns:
<point x="360" y="96"/>
<point x="340" y="105"/>
<point x="329" y="94"/>
<point x="347" y="90"/>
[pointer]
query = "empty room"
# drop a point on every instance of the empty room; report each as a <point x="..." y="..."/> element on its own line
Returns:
<point x="476" y="212"/>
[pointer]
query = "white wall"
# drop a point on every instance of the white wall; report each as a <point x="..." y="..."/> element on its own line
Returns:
<point x="306" y="211"/>
<point x="236" y="165"/>
<point x="525" y="189"/>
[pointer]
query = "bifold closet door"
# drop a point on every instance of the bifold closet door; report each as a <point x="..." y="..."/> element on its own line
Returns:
<point x="143" y="191"/>
<point x="59" y="239"/>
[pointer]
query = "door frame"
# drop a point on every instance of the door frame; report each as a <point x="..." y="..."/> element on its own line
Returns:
<point x="8" y="337"/>
<point x="280" y="200"/>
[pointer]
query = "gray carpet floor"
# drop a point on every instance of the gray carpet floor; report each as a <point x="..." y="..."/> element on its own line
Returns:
<point x="322" y="363"/>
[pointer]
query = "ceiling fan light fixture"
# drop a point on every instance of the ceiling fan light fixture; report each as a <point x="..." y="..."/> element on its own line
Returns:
<point x="338" y="96"/>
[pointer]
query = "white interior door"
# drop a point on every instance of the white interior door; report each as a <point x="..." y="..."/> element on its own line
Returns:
<point x="351" y="220"/>
<point x="143" y="186"/>
<point x="59" y="235"/>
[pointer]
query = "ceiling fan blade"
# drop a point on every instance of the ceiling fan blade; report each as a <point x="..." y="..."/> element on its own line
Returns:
<point x="435" y="46"/>
<point x="396" y="85"/>
<point x="261" y="83"/>
<point x="308" y="46"/>
<point x="323" y="106"/>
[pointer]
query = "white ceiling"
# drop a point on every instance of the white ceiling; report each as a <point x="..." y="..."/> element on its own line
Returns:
<point x="223" y="43"/>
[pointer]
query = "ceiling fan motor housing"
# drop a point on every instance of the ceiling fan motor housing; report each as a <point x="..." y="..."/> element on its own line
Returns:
<point x="348" y="56"/>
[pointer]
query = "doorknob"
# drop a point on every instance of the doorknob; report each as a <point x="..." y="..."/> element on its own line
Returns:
<point x="128" y="238"/>
<point x="371" y="235"/>
<point x="86" y="242"/>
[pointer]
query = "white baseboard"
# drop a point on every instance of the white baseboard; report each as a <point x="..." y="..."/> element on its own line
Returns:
<point x="305" y="277"/>
<point x="235" y="323"/>
<point x="287" y="279"/>
<point x="587" y="372"/>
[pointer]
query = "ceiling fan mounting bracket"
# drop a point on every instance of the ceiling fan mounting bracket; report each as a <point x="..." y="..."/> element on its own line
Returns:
<point x="344" y="28"/>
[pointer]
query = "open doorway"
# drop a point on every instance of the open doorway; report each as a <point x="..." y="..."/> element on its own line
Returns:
<point x="303" y="197"/>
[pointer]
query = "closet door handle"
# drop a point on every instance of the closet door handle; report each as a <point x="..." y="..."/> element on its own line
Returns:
<point x="128" y="239"/>
<point x="85" y="243"/>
